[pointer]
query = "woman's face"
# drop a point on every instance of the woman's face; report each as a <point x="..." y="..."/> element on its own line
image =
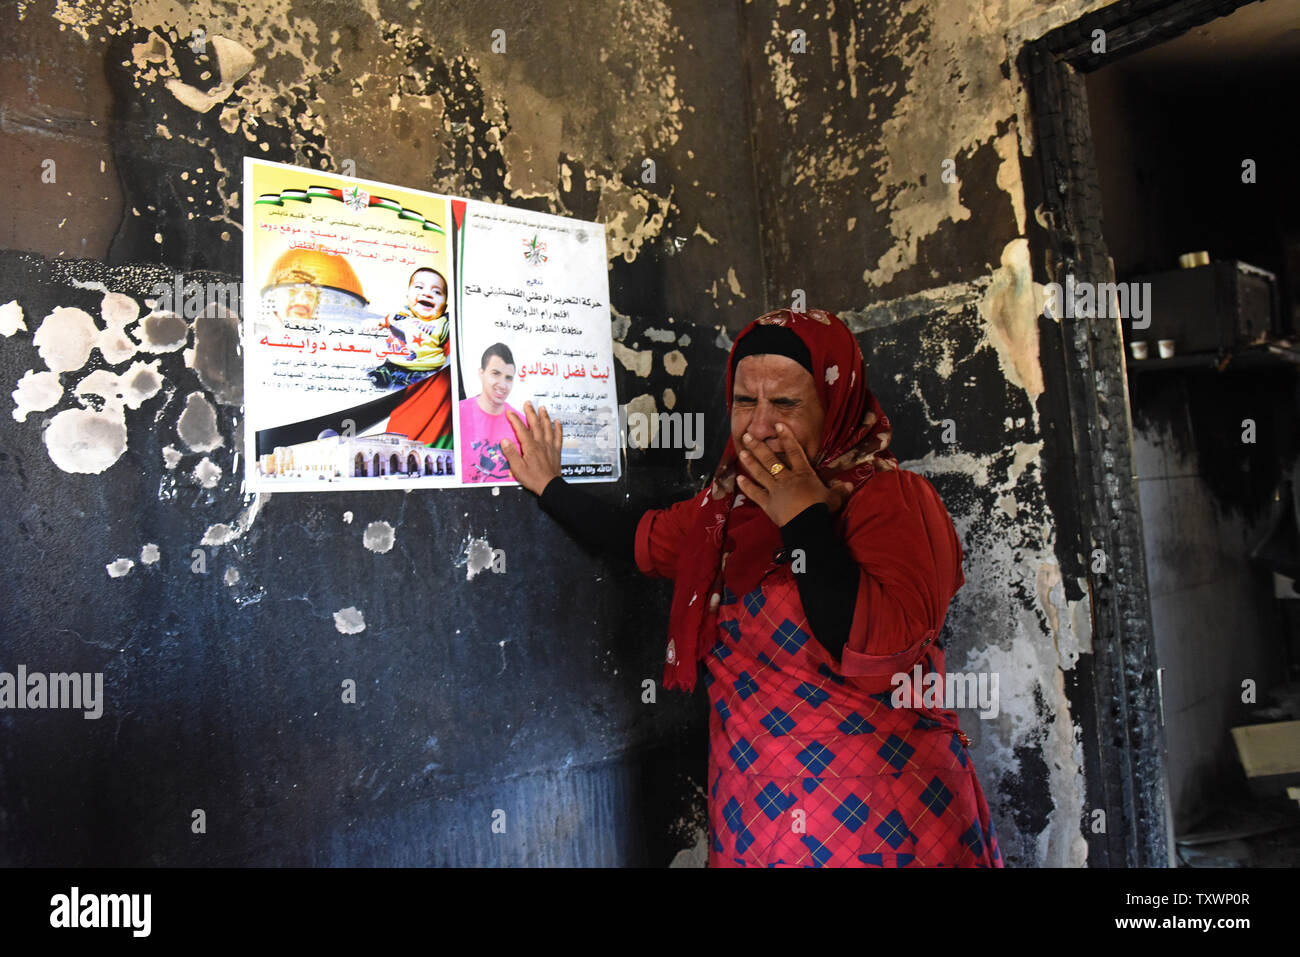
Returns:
<point x="768" y="389"/>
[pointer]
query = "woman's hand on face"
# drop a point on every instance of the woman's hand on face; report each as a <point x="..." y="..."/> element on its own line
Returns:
<point x="536" y="460"/>
<point x="794" y="488"/>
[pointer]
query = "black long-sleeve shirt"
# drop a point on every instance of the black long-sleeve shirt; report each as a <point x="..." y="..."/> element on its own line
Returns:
<point x="828" y="583"/>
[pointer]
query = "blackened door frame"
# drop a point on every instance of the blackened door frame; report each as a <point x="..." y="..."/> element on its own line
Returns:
<point x="1120" y="701"/>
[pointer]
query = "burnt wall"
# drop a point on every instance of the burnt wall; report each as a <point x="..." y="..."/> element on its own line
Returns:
<point x="822" y="170"/>
<point x="890" y="144"/>
<point x="518" y="692"/>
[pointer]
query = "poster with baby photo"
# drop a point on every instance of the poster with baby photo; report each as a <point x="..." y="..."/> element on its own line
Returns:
<point x="349" y="357"/>
<point x="532" y="324"/>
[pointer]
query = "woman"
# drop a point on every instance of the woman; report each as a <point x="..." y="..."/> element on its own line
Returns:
<point x="809" y="573"/>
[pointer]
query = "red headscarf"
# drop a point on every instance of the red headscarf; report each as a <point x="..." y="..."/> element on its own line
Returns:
<point x="737" y="543"/>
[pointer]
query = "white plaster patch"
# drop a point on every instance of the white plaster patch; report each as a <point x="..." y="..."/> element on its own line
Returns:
<point x="163" y="332"/>
<point x="675" y="363"/>
<point x="478" y="557"/>
<point x="379" y="537"/>
<point x="84" y="441"/>
<point x="149" y="554"/>
<point x="171" y="457"/>
<point x="1010" y="310"/>
<point x="140" y="382"/>
<point x="643" y="405"/>
<point x="207" y="473"/>
<point x="36" y="392"/>
<point x="65" y="338"/>
<point x="347" y="518"/>
<point x="221" y="533"/>
<point x="349" y="621"/>
<point x="197" y="426"/>
<point x="11" y="318"/>
<point x="120" y="567"/>
<point x="638" y="362"/>
<point x="231" y="577"/>
<point x="935" y="463"/>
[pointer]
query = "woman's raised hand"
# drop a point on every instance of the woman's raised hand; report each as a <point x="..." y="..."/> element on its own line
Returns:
<point x="536" y="459"/>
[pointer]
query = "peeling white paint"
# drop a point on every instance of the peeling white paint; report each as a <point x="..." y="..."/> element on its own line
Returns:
<point x="65" y="338"/>
<point x="36" y="392"/>
<point x="221" y="533"/>
<point x="197" y="426"/>
<point x="11" y="318"/>
<point x="379" y="537"/>
<point x="477" y="557"/>
<point x="120" y="567"/>
<point x="349" y="621"/>
<point x="86" y="442"/>
<point x="1010" y="310"/>
<point x="675" y="363"/>
<point x="149" y="554"/>
<point x="207" y="473"/>
<point x="163" y="332"/>
<point x="638" y="362"/>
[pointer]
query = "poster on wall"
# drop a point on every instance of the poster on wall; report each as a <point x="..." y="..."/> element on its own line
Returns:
<point x="386" y="330"/>
<point x="533" y="324"/>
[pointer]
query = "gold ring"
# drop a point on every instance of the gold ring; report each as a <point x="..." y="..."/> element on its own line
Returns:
<point x="776" y="468"/>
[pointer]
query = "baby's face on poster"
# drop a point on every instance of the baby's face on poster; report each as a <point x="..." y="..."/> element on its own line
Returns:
<point x="426" y="296"/>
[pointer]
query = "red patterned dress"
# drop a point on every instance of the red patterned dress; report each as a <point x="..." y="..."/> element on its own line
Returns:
<point x="810" y="764"/>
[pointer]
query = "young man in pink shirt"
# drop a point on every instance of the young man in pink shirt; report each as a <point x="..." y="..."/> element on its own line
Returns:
<point x="483" y="422"/>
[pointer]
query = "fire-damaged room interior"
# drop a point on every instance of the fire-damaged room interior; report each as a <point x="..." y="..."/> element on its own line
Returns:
<point x="927" y="485"/>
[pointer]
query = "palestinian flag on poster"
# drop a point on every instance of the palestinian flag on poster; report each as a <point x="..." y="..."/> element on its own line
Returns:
<point x="353" y="197"/>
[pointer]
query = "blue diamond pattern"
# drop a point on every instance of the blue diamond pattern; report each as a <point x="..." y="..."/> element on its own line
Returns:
<point x="896" y="751"/>
<point x="956" y="747"/>
<point x="936" y="797"/>
<point x="812" y="694"/>
<point x="774" y="802"/>
<point x="826" y="672"/>
<point x="856" y="724"/>
<point x="852" y="813"/>
<point x="816" y="757"/>
<point x="893" y="829"/>
<point x="743" y="753"/>
<point x="789" y="637"/>
<point x="745" y="685"/>
<point x="820" y="852"/>
<point x="777" y="722"/>
<point x="755" y="600"/>
<point x="973" y="840"/>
